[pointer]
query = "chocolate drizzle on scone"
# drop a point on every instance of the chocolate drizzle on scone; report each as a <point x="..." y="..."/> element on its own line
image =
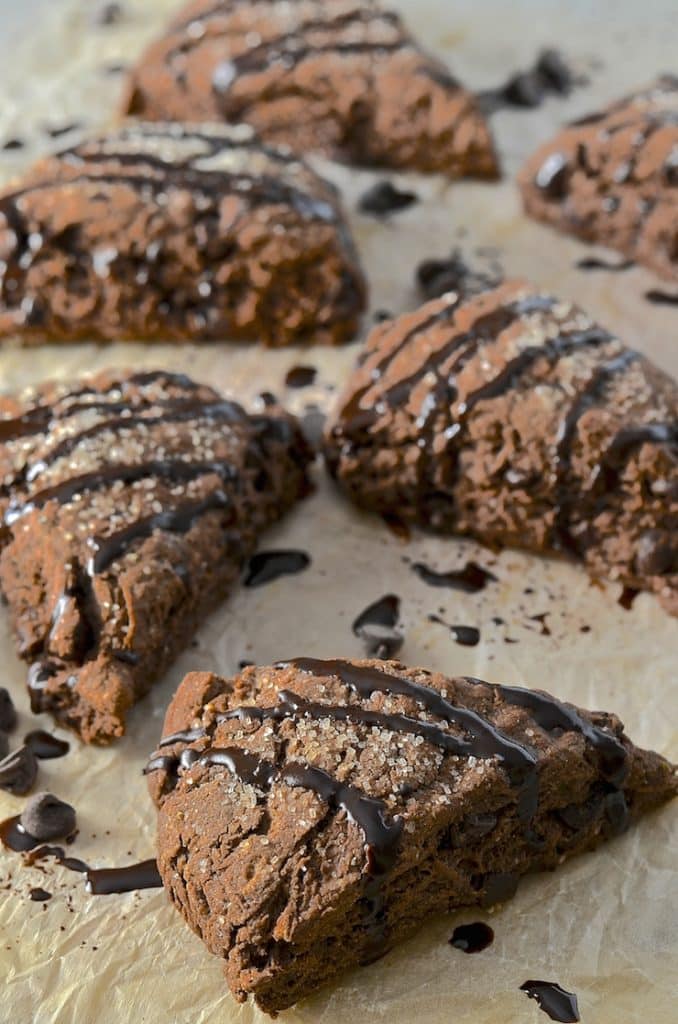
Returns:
<point x="515" y="418"/>
<point x="610" y="178"/>
<point x="131" y="502"/>
<point x="176" y="231"/>
<point x="315" y="800"/>
<point x="284" y="68"/>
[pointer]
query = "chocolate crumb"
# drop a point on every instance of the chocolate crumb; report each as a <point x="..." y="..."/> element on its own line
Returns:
<point x="47" y="817"/>
<point x="18" y="771"/>
<point x="384" y="198"/>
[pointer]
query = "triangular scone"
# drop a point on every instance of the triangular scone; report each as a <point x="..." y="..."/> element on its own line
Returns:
<point x="341" y="77"/>
<point x="612" y="177"/>
<point x="315" y="813"/>
<point x="514" y="418"/>
<point x="130" y="501"/>
<point x="177" y="232"/>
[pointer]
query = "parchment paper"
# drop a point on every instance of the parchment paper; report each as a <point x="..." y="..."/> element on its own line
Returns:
<point x="604" y="926"/>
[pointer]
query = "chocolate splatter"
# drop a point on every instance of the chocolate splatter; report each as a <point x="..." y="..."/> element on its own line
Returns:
<point x="527" y="89"/>
<point x="471" y="579"/>
<point x="596" y="263"/>
<point x="436" y="277"/>
<point x="39" y="895"/>
<point x="108" y="881"/>
<point x="376" y="627"/>
<point x="472" y="938"/>
<point x="384" y="198"/>
<point x="14" y="143"/>
<point x="555" y="1001"/>
<point x="467" y="636"/>
<point x="300" y="376"/>
<point x="661" y="298"/>
<point x="266" y="566"/>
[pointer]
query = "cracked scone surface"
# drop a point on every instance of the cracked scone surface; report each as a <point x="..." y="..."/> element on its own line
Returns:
<point x="514" y="418"/>
<point x="612" y="178"/>
<point x="340" y="77"/>
<point x="314" y="813"/>
<point x="173" y="232"/>
<point x="130" y="503"/>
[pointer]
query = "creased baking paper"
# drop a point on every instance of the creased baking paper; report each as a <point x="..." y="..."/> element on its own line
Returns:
<point x="604" y="926"/>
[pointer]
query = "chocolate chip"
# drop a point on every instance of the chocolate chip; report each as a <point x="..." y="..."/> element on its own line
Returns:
<point x="47" y="817"/>
<point x="384" y="198"/>
<point x="554" y="72"/>
<point x="553" y="176"/>
<point x="7" y="711"/>
<point x="18" y="771"/>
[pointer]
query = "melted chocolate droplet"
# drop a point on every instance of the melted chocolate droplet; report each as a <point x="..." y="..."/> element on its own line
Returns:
<point x="627" y="597"/>
<point x="471" y="579"/>
<point x="384" y="198"/>
<point x="14" y="143"/>
<point x="300" y="376"/>
<point x="467" y="636"/>
<point x="45" y="746"/>
<point x="14" y="836"/>
<point x="436" y="277"/>
<point x="596" y="263"/>
<point x="376" y="626"/>
<point x="380" y="315"/>
<point x="661" y="298"/>
<point x="266" y="566"/>
<point x="472" y="938"/>
<point x="39" y="895"/>
<point x="527" y="89"/>
<point x="555" y="1001"/>
<point x="107" y="881"/>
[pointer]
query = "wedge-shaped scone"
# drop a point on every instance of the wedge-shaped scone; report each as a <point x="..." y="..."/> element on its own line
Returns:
<point x="514" y="418"/>
<point x="315" y="813"/>
<point x="130" y="502"/>
<point x="612" y="178"/>
<point x="175" y="232"/>
<point x="342" y="77"/>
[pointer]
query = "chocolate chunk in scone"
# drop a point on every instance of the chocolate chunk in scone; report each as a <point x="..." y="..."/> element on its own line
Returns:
<point x="131" y="501"/>
<point x="315" y="813"/>
<point x="175" y="232"/>
<point x="514" y="418"/>
<point x="612" y="178"/>
<point x="341" y="77"/>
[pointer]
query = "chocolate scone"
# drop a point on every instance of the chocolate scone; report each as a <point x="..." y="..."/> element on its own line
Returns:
<point x="512" y="417"/>
<point x="175" y="232"/>
<point x="612" y="178"/>
<point x="341" y="77"/>
<point x="314" y="813"/>
<point x="130" y="502"/>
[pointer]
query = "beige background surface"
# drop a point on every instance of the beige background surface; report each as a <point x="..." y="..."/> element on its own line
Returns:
<point x="605" y="926"/>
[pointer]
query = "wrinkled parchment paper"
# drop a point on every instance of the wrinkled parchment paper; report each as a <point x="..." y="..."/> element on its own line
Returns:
<point x="605" y="926"/>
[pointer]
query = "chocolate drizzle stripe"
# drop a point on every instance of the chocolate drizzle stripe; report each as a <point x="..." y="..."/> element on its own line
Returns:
<point x="550" y="714"/>
<point x="488" y="741"/>
<point x="567" y="432"/>
<point x="173" y="470"/>
<point x="36" y="419"/>
<point x="613" y="460"/>
<point x="179" y="412"/>
<point x="290" y="705"/>
<point x="175" y="520"/>
<point x="381" y="832"/>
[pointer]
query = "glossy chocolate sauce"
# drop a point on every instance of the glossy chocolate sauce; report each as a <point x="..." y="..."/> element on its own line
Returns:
<point x="556" y="1002"/>
<point x="300" y="376"/>
<point x="471" y="579"/>
<point x="376" y="626"/>
<point x="45" y="746"/>
<point x="467" y="636"/>
<point x="107" y="881"/>
<point x="266" y="566"/>
<point x="472" y="938"/>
